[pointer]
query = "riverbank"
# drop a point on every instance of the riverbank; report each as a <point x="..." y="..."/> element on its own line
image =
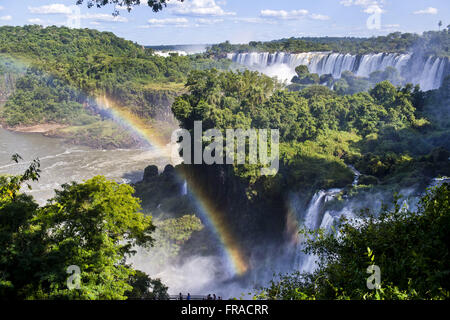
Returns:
<point x="102" y="134"/>
<point x="63" y="162"/>
<point x="38" y="128"/>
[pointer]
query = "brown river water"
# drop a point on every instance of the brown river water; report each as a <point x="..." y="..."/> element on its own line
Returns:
<point x="62" y="162"/>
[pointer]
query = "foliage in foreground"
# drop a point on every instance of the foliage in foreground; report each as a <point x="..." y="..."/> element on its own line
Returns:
<point x="411" y="249"/>
<point x="93" y="225"/>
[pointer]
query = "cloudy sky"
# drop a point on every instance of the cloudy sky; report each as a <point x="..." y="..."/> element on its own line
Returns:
<point x="212" y="21"/>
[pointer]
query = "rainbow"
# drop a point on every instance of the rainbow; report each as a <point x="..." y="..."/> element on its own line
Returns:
<point x="213" y="215"/>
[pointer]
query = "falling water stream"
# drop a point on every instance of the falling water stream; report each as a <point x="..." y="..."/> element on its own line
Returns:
<point x="428" y="72"/>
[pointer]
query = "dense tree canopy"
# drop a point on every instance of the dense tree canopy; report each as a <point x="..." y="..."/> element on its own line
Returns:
<point x="38" y="98"/>
<point x="316" y="123"/>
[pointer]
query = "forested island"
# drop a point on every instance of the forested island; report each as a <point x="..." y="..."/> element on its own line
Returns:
<point x="396" y="137"/>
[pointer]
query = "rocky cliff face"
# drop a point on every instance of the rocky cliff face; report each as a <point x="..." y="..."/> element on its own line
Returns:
<point x="216" y="189"/>
<point x="151" y="103"/>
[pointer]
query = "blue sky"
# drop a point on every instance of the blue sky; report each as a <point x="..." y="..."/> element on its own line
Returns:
<point x="240" y="21"/>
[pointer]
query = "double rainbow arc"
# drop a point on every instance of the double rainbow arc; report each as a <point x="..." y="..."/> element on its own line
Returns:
<point x="214" y="216"/>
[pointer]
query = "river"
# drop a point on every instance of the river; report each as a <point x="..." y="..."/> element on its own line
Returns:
<point x="62" y="162"/>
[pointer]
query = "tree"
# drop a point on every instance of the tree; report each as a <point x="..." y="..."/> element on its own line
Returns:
<point x="20" y="245"/>
<point x="304" y="77"/>
<point x="301" y="70"/>
<point x="94" y="225"/>
<point x="146" y="288"/>
<point x="440" y="25"/>
<point x="384" y="92"/>
<point x="156" y="5"/>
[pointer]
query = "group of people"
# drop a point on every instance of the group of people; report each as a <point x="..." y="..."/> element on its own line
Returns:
<point x="180" y="296"/>
<point x="208" y="297"/>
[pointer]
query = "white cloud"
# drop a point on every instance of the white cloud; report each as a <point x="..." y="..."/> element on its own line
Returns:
<point x="55" y="8"/>
<point x="260" y="20"/>
<point x="199" y="8"/>
<point x="391" y="26"/>
<point x="291" y="15"/>
<point x="208" y="21"/>
<point x="315" y="16"/>
<point x="73" y="12"/>
<point x="250" y="20"/>
<point x="429" y="10"/>
<point x="282" y="14"/>
<point x="373" y="9"/>
<point x="122" y="8"/>
<point x="36" y="21"/>
<point x="1" y="8"/>
<point x="179" y="22"/>
<point x="6" y="18"/>
<point x="103" y="17"/>
<point x="370" y="6"/>
<point x="168" y="21"/>
<point x="362" y="3"/>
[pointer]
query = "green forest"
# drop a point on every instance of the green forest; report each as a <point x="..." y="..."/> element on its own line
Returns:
<point x="388" y="133"/>
<point x="430" y="43"/>
<point x="395" y="136"/>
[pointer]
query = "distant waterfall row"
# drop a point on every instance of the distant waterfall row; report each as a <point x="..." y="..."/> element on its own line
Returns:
<point x="429" y="72"/>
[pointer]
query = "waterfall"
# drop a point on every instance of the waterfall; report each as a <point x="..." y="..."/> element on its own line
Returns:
<point x="356" y="173"/>
<point x="428" y="73"/>
<point x="312" y="214"/>
<point x="317" y="217"/>
<point x="432" y="74"/>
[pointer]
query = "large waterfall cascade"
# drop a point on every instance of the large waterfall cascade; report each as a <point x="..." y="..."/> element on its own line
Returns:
<point x="316" y="217"/>
<point x="428" y="73"/>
